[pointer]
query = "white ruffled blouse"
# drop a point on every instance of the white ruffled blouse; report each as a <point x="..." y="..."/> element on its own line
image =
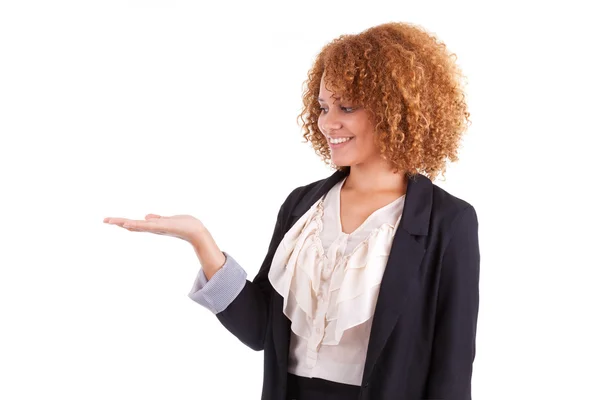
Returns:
<point x="330" y="282"/>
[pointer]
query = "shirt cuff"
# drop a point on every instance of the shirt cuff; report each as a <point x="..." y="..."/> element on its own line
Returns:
<point x="225" y="285"/>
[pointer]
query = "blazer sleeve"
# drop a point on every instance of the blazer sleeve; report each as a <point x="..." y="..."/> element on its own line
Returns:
<point x="224" y="286"/>
<point x="453" y="350"/>
<point x="247" y="316"/>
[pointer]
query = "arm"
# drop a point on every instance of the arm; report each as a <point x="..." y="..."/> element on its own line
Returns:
<point x="453" y="350"/>
<point x="240" y="305"/>
<point x="247" y="315"/>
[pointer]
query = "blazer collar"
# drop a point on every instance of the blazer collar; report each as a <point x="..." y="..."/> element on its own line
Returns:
<point x="417" y="205"/>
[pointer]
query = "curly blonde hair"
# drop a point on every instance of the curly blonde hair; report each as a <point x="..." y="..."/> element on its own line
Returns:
<point x="410" y="86"/>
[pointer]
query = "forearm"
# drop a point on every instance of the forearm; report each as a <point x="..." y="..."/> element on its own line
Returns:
<point x="209" y="254"/>
<point x="240" y="305"/>
<point x="245" y="312"/>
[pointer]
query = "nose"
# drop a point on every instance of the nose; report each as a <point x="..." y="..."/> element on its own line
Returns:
<point x="330" y="123"/>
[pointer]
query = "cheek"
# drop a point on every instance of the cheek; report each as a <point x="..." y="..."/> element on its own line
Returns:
<point x="361" y="130"/>
<point x="366" y="139"/>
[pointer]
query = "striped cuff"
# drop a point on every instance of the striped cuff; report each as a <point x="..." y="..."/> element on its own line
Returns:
<point x="225" y="285"/>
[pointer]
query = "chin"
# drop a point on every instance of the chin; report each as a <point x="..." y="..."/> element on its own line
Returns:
<point x="341" y="162"/>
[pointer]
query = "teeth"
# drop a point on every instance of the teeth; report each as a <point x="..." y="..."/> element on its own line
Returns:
<point x="342" y="140"/>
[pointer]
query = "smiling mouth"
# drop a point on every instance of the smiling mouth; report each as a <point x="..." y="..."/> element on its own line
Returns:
<point x="336" y="145"/>
<point x="341" y="137"/>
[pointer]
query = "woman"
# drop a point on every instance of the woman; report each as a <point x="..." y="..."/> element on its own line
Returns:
<point x="369" y="288"/>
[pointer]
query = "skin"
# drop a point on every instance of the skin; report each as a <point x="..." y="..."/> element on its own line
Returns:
<point x="370" y="185"/>
<point x="185" y="227"/>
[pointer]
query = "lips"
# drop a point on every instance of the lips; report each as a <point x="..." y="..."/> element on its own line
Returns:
<point x="340" y="137"/>
<point x="338" y="145"/>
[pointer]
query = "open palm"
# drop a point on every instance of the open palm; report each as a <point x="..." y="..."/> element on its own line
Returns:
<point x="184" y="227"/>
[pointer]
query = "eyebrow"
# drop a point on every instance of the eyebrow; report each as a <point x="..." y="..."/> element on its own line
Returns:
<point x="335" y="98"/>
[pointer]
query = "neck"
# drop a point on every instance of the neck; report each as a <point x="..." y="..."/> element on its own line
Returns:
<point x="375" y="177"/>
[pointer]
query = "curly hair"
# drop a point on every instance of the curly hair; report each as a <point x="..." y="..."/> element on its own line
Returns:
<point x="410" y="87"/>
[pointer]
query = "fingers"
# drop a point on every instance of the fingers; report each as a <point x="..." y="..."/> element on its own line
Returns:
<point x="121" y="221"/>
<point x="148" y="225"/>
<point x="116" y="221"/>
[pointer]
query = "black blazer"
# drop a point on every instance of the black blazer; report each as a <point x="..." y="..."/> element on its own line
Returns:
<point x="422" y="343"/>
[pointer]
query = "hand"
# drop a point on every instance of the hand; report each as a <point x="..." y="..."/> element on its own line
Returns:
<point x="183" y="227"/>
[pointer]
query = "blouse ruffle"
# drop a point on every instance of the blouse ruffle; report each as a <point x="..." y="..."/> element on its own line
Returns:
<point x="300" y="261"/>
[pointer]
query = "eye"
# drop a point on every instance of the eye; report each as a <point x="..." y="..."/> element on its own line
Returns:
<point x="347" y="110"/>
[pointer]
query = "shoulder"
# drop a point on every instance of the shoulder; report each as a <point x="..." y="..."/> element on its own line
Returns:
<point x="449" y="211"/>
<point x="299" y="192"/>
<point x="447" y="203"/>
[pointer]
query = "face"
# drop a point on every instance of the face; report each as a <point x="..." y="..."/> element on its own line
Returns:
<point x="340" y="119"/>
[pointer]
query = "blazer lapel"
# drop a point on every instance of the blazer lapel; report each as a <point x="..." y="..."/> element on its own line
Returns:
<point x="405" y="257"/>
<point x="404" y="260"/>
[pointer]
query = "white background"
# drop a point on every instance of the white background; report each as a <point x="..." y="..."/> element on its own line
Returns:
<point x="124" y="108"/>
